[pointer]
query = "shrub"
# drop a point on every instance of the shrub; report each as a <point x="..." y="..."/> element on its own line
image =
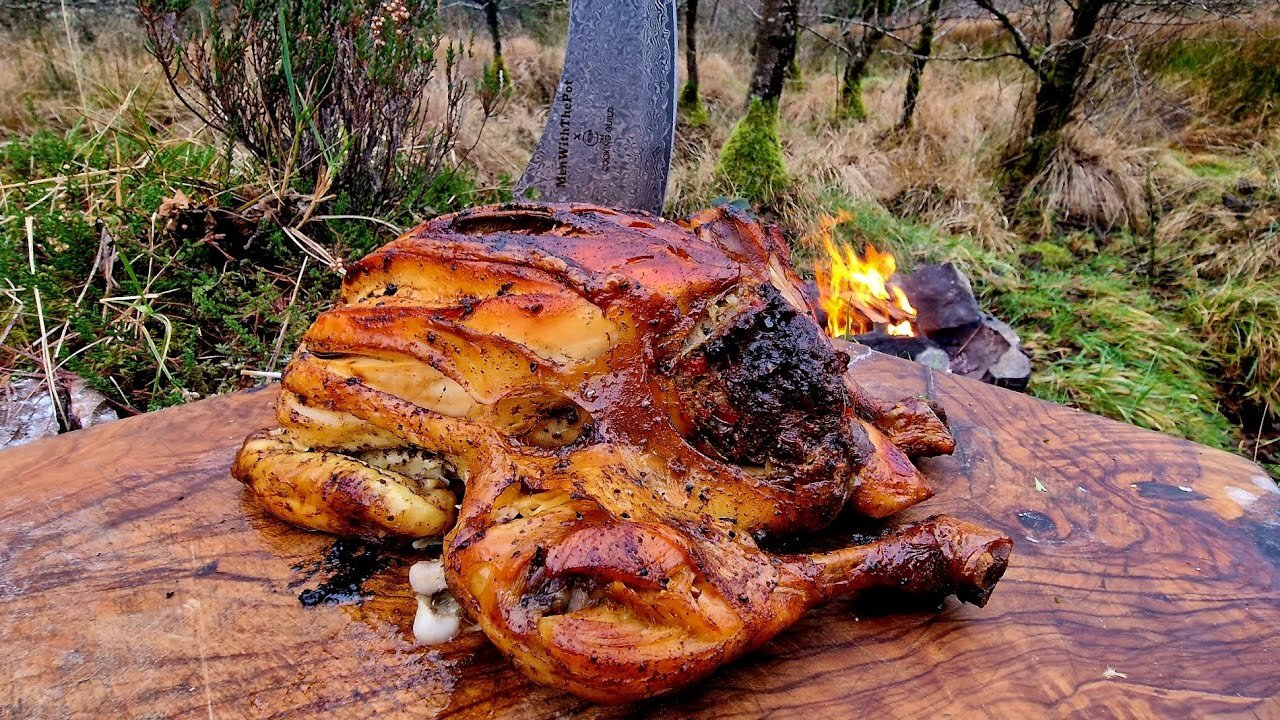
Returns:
<point x="315" y="84"/>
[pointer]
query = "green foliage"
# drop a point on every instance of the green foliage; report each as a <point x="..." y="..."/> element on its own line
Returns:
<point x="1241" y="322"/>
<point x="1048" y="255"/>
<point x="495" y="81"/>
<point x="1213" y="166"/>
<point x="751" y="164"/>
<point x="1100" y="342"/>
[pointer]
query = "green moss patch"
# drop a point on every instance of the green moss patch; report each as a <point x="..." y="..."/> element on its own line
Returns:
<point x="751" y="164"/>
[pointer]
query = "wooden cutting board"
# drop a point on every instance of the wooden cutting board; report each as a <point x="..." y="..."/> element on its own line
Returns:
<point x="137" y="581"/>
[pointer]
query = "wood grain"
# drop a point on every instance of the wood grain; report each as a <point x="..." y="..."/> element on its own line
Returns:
<point x="136" y="581"/>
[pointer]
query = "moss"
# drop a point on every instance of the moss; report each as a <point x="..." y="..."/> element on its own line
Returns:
<point x="1048" y="255"/>
<point x="751" y="163"/>
<point x="695" y="113"/>
<point x="850" y="107"/>
<point x="795" y="74"/>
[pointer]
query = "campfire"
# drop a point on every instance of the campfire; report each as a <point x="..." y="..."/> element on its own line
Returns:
<point x="858" y="295"/>
<point x="929" y="315"/>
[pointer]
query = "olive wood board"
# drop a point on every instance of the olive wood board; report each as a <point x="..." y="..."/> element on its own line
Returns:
<point x="138" y="581"/>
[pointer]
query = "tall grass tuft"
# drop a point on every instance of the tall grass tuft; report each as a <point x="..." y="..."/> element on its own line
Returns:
<point x="1241" y="321"/>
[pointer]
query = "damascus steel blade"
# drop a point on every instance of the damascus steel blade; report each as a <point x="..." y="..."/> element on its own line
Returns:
<point x="609" y="135"/>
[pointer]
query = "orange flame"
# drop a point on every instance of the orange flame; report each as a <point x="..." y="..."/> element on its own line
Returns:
<point x="857" y="293"/>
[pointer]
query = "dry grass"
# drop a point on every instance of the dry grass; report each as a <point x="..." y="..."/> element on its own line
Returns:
<point x="1093" y="181"/>
<point x="50" y="81"/>
<point x="1220" y="215"/>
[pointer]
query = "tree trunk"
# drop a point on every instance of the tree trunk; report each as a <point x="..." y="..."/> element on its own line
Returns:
<point x="919" y="58"/>
<point x="775" y="47"/>
<point x="860" y="53"/>
<point x="1062" y="72"/>
<point x="495" y="30"/>
<point x="689" y="95"/>
<point x="794" y="73"/>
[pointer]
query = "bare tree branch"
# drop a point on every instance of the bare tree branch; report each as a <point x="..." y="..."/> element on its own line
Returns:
<point x="1025" y="52"/>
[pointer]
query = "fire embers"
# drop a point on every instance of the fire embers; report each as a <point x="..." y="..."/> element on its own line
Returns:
<point x="628" y="407"/>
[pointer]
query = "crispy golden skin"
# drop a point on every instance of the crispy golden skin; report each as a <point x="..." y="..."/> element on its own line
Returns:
<point x="631" y="405"/>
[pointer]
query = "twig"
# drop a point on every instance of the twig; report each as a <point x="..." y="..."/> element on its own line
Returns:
<point x="1257" y="443"/>
<point x="954" y="58"/>
<point x="12" y="293"/>
<point x="261" y="374"/>
<point x="77" y="176"/>
<point x="388" y="224"/>
<point x="1025" y="53"/>
<point x="314" y="249"/>
<point x="75" y="59"/>
<point x="45" y="359"/>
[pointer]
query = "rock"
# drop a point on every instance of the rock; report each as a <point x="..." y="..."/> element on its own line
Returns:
<point x="1012" y="370"/>
<point x="993" y="354"/>
<point x="88" y="406"/>
<point x="934" y="357"/>
<point x="1235" y="203"/>
<point x="982" y="349"/>
<point x="27" y="412"/>
<point x="944" y="301"/>
<point x="896" y="345"/>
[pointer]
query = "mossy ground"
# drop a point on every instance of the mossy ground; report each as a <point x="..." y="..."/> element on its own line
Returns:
<point x="149" y="314"/>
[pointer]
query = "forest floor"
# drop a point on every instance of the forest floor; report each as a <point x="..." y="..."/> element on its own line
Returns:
<point x="1144" y="280"/>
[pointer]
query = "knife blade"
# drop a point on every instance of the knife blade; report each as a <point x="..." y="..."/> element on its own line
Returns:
<point x="611" y="128"/>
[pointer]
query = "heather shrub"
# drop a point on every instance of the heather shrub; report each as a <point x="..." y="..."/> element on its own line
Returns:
<point x="338" y="85"/>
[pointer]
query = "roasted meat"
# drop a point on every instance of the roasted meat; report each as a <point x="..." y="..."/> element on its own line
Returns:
<point x="629" y="409"/>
